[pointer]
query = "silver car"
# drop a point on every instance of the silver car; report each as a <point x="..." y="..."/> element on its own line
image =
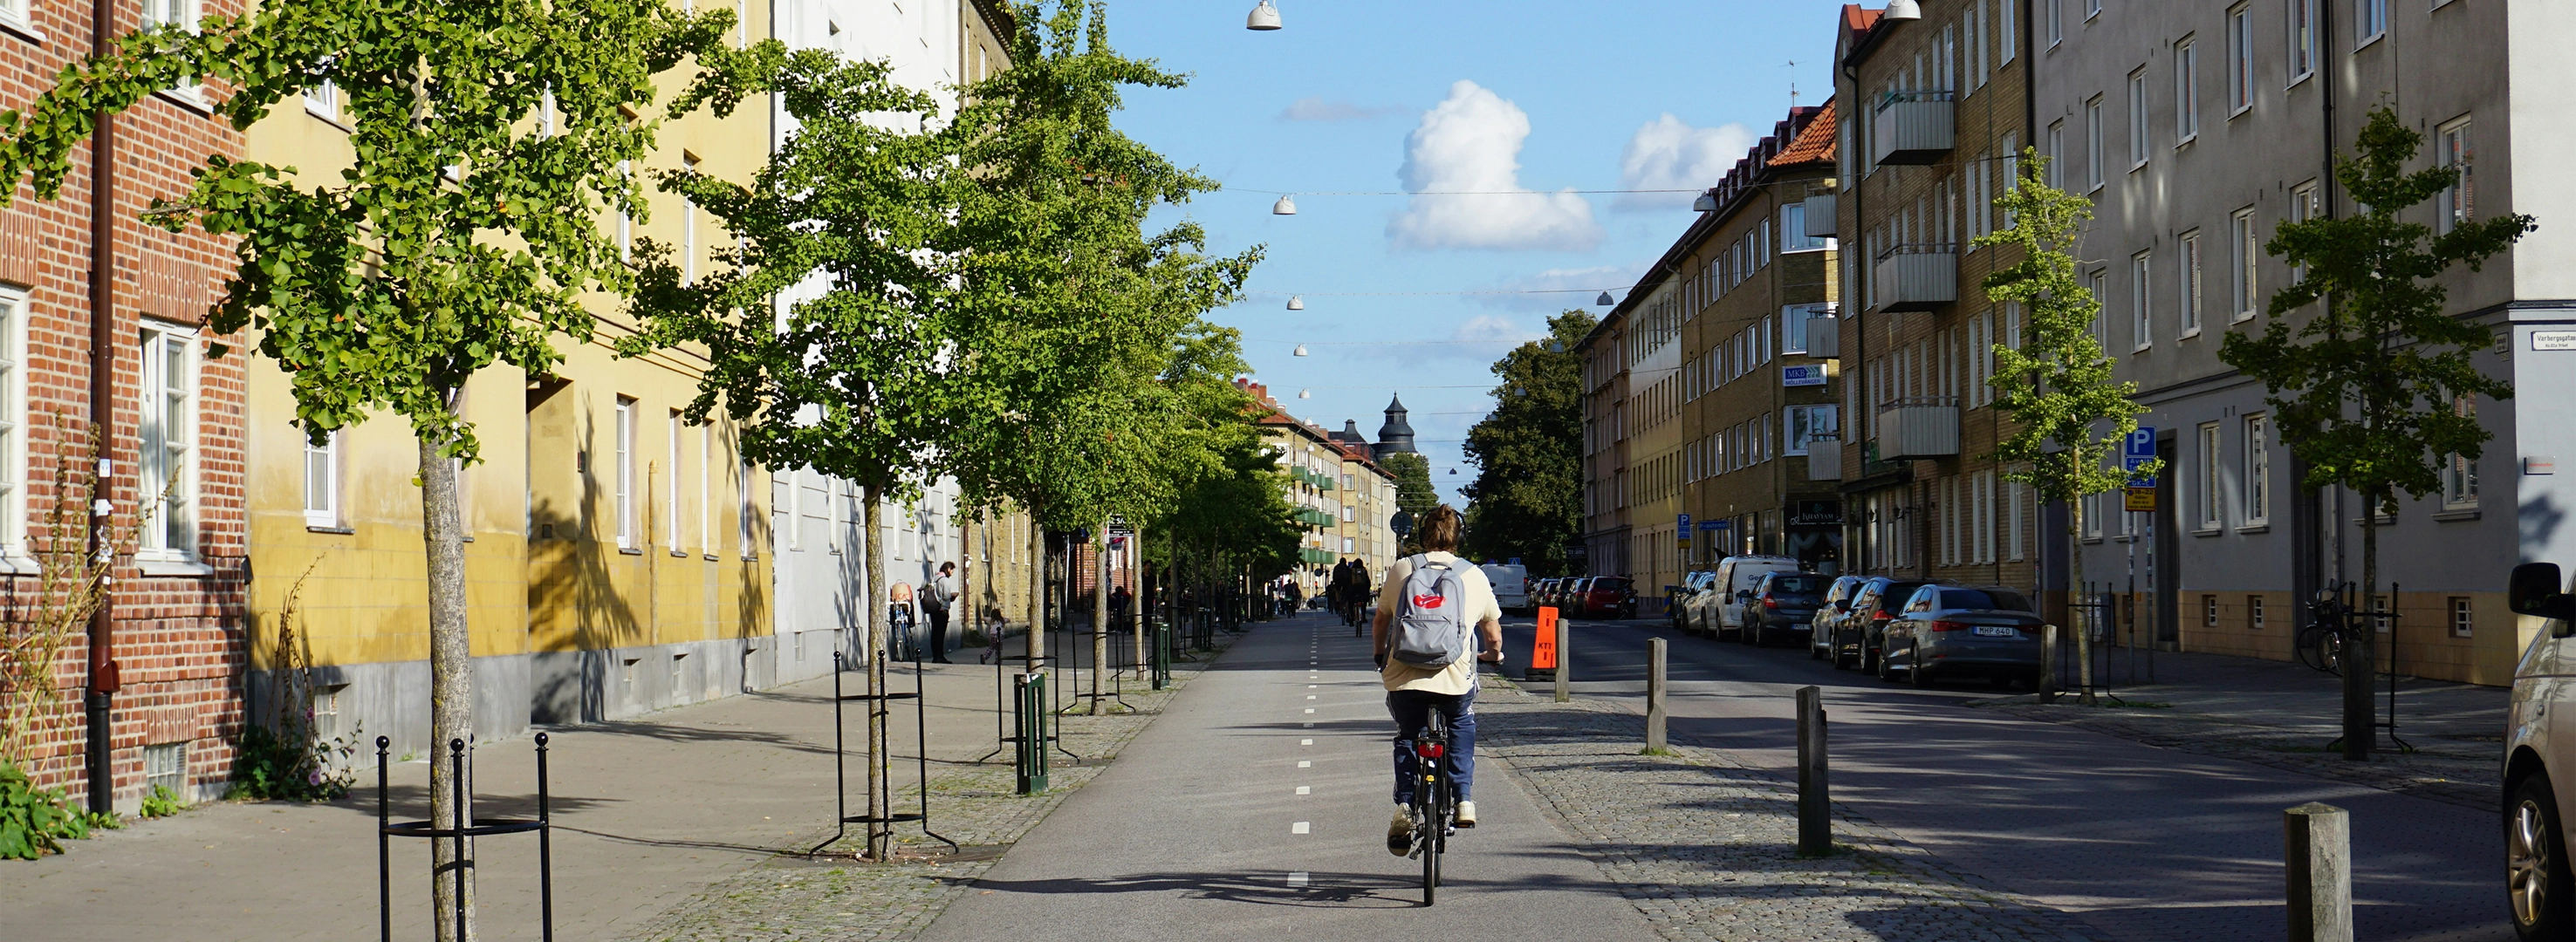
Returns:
<point x="1950" y="631"/>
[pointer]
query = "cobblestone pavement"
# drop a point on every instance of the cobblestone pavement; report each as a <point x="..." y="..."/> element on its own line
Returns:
<point x="2464" y="773"/>
<point x="836" y="896"/>
<point x="1704" y="846"/>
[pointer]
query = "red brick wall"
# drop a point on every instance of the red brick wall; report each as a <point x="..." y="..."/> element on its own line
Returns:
<point x="179" y="640"/>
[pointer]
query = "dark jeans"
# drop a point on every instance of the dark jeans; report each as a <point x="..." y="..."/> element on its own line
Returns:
<point x="1412" y="712"/>
<point x="939" y="634"/>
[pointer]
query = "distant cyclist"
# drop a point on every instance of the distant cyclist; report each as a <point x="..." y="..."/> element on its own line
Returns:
<point x="1431" y="612"/>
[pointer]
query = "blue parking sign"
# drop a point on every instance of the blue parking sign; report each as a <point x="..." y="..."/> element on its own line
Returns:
<point x="2136" y="451"/>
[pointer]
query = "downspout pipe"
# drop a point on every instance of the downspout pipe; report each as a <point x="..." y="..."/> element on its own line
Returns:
<point x="103" y="683"/>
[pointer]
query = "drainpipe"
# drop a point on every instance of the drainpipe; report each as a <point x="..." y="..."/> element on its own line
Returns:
<point x="102" y="362"/>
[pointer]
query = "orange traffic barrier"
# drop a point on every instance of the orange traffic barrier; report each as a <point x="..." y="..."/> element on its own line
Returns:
<point x="1543" y="651"/>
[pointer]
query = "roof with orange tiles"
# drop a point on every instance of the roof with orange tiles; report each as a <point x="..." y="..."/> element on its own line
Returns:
<point x="1814" y="144"/>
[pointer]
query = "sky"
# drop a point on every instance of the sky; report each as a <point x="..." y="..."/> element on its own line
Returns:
<point x="1397" y="98"/>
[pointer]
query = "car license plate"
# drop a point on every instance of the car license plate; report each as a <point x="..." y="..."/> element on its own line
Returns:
<point x="1995" y="631"/>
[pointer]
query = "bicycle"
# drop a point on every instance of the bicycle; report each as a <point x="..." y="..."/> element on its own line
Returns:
<point x="1433" y="801"/>
<point x="2320" y="644"/>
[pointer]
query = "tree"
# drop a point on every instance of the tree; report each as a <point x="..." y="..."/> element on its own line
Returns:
<point x="2070" y="414"/>
<point x="1527" y="498"/>
<point x="845" y="368"/>
<point x="2376" y="391"/>
<point x="464" y="234"/>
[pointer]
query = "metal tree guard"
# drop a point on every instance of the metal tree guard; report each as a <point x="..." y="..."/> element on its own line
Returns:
<point x="877" y="706"/>
<point x="387" y="829"/>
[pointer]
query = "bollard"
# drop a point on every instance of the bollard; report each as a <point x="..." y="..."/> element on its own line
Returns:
<point x="1815" y="800"/>
<point x="1030" y="713"/>
<point x="1564" y="662"/>
<point x="2316" y="852"/>
<point x="1655" y="695"/>
<point x="2046" y="685"/>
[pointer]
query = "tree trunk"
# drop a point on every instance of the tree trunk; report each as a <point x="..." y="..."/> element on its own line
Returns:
<point x="1136" y="606"/>
<point x="2075" y="581"/>
<point x="2360" y="648"/>
<point x="872" y="575"/>
<point x="451" y="692"/>
<point x="1099" y="613"/>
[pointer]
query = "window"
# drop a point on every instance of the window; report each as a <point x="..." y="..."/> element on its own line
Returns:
<point x="2369" y="21"/>
<point x="2254" y="612"/>
<point x="2451" y="149"/>
<point x="671" y="487"/>
<point x="2460" y="472"/>
<point x="2303" y="39"/>
<point x="2240" y="59"/>
<point x="2005" y="37"/>
<point x="2305" y="204"/>
<point x="1797" y="319"/>
<point x="2186" y="91"/>
<point x="2245" y="251"/>
<point x="13" y="422"/>
<point x="1807" y="425"/>
<point x="1972" y="21"/>
<point x="2258" y="469"/>
<point x="177" y="14"/>
<point x="2137" y="119"/>
<point x="2092" y="504"/>
<point x="1793" y="231"/>
<point x="625" y="220"/>
<point x="321" y="101"/>
<point x="14" y="12"/>
<point x="1350" y="545"/>
<point x="2056" y="21"/>
<point x="2101" y="287"/>
<point x="166" y="766"/>
<point x="169" y="443"/>
<point x="2092" y="8"/>
<point x="2141" y="332"/>
<point x="2463" y="618"/>
<point x="322" y="481"/>
<point x="2093" y="142"/>
<point x="2018" y="494"/>
<point x="625" y="471"/>
<point x="706" y="503"/>
<point x="2056" y="155"/>
<point x="2209" y="478"/>
<point x="688" y="229"/>
<point x="2209" y="611"/>
<point x="2189" y="257"/>
<point x="1985" y="504"/>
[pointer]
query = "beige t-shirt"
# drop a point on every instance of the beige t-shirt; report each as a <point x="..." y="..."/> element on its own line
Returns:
<point x="1460" y="675"/>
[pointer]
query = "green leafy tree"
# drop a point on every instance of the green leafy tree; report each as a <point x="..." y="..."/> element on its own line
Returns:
<point x="1527" y="498"/>
<point x="841" y="364"/>
<point x="2069" y="414"/>
<point x="1413" y="492"/>
<point x="464" y="235"/>
<point x="2376" y="391"/>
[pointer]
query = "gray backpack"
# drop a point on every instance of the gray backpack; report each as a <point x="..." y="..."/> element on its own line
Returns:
<point x="1431" y="617"/>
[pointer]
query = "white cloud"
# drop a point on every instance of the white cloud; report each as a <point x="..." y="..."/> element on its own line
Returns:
<point x="1557" y="289"/>
<point x="1668" y="154"/>
<point x="1472" y="142"/>
<point x="1492" y="327"/>
<point x="1318" y="108"/>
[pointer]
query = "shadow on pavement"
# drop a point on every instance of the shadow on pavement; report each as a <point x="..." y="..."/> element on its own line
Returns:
<point x="1323" y="890"/>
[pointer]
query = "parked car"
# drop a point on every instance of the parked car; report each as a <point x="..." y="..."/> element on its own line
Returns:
<point x="1950" y="631"/>
<point x="1783" y="603"/>
<point x="1829" y="612"/>
<point x="1677" y="597"/>
<point x="1858" y="635"/>
<point x="1511" y="586"/>
<point x="1567" y="596"/>
<point x="2537" y="883"/>
<point x="1607" y="597"/>
<point x="1718" y="611"/>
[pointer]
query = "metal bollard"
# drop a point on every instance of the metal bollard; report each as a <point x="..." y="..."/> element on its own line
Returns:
<point x="1655" y="695"/>
<point x="2046" y="686"/>
<point x="1564" y="661"/>
<point x="2316" y="846"/>
<point x="1815" y="800"/>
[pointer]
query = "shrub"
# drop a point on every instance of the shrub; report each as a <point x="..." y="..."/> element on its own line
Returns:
<point x="34" y="821"/>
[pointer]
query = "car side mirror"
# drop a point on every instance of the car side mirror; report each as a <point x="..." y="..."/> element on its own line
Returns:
<point x="2538" y="589"/>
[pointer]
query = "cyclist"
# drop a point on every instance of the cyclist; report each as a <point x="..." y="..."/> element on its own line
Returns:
<point x="1410" y="620"/>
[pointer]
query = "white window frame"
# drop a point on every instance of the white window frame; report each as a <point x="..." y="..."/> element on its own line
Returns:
<point x="2460" y="472"/>
<point x="2186" y="91"/>
<point x="2306" y="203"/>
<point x="13" y="15"/>
<point x="2213" y="492"/>
<point x="2056" y="22"/>
<point x="2257" y="431"/>
<point x="321" y="100"/>
<point x="2142" y="297"/>
<point x="15" y="309"/>
<point x="2139" y="126"/>
<point x="2457" y="203"/>
<point x="624" y="469"/>
<point x="2369" y="22"/>
<point x="2008" y="42"/>
<point x="2301" y="24"/>
<point x="168" y="455"/>
<point x="185" y="14"/>
<point x="2247" y="252"/>
<point x="671" y="488"/>
<point x="2189" y="303"/>
<point x="2094" y="143"/>
<point x="2240" y="59"/>
<point x="325" y="481"/>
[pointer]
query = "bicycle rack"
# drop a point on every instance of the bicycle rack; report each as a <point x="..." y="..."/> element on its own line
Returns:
<point x="387" y="829"/>
<point x="877" y="706"/>
<point x="2350" y="620"/>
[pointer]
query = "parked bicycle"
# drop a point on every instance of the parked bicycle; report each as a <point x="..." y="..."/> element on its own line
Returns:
<point x="2320" y="644"/>
<point x="1434" y="801"/>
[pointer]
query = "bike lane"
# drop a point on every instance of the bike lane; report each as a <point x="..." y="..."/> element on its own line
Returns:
<point x="1200" y="830"/>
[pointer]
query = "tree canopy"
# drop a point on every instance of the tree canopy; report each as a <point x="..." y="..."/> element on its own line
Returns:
<point x="1527" y="498"/>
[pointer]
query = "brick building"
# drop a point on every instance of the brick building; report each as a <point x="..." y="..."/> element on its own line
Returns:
<point x="169" y="674"/>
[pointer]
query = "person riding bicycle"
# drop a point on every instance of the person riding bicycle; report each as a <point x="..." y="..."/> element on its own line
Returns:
<point x="1359" y="597"/>
<point x="1432" y="611"/>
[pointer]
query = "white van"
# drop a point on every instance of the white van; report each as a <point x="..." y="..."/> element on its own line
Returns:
<point x="1736" y="577"/>
<point x="2536" y="876"/>
<point x="1511" y="585"/>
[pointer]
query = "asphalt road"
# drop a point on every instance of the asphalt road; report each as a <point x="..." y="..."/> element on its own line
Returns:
<point x="2140" y="842"/>
<point x="1256" y="808"/>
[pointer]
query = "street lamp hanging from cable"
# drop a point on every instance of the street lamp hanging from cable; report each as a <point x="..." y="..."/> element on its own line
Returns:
<point x="1301" y="350"/>
<point x="1604" y="300"/>
<point x="1285" y="206"/>
<point x="1297" y="302"/>
<point x="1266" y="17"/>
<point x="1896" y="10"/>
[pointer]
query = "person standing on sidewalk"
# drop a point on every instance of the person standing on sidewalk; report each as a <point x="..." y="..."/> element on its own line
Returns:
<point x="936" y="600"/>
<point x="1415" y="688"/>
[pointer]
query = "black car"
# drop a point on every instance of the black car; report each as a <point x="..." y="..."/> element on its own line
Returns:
<point x="1820" y="629"/>
<point x="1948" y="631"/>
<point x="1857" y="634"/>
<point x="1782" y="605"/>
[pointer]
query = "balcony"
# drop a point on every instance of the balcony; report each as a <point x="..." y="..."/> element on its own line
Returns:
<point x="1914" y="127"/>
<point x="1915" y="277"/>
<point x="1922" y="427"/>
<point x="1825" y="459"/>
<point x="1820" y="216"/>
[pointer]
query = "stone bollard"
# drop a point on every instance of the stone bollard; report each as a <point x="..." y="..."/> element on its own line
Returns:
<point x="1564" y="660"/>
<point x="1655" y="695"/>
<point x="2316" y="851"/>
<point x="2046" y="687"/>
<point x="1815" y="802"/>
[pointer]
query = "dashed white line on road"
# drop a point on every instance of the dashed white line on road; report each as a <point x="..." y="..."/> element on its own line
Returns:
<point x="1312" y="709"/>
<point x="1310" y="742"/>
<point x="1310" y="725"/>
<point x="1297" y="828"/>
<point x="1297" y="878"/>
<point x="1301" y="789"/>
<point x="1312" y="696"/>
<point x="1309" y="763"/>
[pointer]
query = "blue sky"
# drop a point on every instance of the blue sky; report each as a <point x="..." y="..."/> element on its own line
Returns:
<point x="1435" y="95"/>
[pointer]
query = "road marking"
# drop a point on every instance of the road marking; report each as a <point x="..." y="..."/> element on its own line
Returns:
<point x="1297" y="828"/>
<point x="1310" y="709"/>
<point x="1305" y="742"/>
<point x="1301" y="789"/>
<point x="1312" y="696"/>
<point x="1305" y="763"/>
<point x="1312" y="686"/>
<point x="1310" y="725"/>
<point x="1297" y="878"/>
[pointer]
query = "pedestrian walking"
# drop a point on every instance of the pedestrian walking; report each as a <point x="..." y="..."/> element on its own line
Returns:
<point x="899" y="623"/>
<point x="936" y="600"/>
<point x="1119" y="599"/>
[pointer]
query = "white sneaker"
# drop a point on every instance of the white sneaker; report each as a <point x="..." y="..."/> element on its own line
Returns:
<point x="1399" y="832"/>
<point x="1466" y="816"/>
